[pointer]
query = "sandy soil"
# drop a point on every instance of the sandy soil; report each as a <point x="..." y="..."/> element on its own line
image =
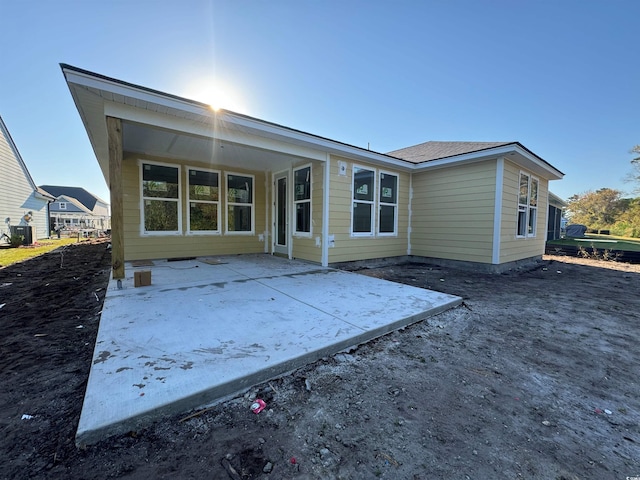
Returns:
<point x="535" y="376"/>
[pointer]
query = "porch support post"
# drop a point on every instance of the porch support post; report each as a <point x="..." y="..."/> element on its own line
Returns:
<point x="114" y="132"/>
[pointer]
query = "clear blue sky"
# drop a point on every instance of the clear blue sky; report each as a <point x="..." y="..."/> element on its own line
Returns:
<point x="560" y="76"/>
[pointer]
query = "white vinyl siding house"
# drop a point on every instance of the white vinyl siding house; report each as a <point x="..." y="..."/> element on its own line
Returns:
<point x="21" y="202"/>
<point x="76" y="208"/>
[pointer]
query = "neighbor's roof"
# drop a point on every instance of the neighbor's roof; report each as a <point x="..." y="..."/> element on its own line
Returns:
<point x="78" y="204"/>
<point x="85" y="198"/>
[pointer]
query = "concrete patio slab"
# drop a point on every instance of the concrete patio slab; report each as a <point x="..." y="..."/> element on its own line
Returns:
<point x="208" y="328"/>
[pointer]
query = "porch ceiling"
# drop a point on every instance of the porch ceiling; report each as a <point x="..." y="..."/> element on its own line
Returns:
<point x="159" y="142"/>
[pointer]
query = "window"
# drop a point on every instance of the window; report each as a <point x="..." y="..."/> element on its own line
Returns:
<point x="62" y="205"/>
<point x="204" y="201"/>
<point x="161" y="211"/>
<point x="363" y="201"/>
<point x="388" y="204"/>
<point x="527" y="206"/>
<point x="302" y="200"/>
<point x="239" y="203"/>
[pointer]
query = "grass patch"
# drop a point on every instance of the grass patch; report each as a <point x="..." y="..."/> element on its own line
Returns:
<point x="9" y="256"/>
<point x="595" y="241"/>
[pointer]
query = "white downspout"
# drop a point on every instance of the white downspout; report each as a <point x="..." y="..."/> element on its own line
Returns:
<point x="497" y="211"/>
<point x="266" y="213"/>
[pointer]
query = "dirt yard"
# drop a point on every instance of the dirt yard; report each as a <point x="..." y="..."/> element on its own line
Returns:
<point x="535" y="376"/>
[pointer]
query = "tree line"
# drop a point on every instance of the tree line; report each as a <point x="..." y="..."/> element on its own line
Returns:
<point x="607" y="209"/>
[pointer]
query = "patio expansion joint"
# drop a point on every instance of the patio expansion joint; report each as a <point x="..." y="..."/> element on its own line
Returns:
<point x="258" y="280"/>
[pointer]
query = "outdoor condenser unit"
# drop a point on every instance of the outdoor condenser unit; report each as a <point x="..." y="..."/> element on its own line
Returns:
<point x="24" y="231"/>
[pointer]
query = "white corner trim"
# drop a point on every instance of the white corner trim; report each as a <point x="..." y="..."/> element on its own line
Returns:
<point x="325" y="212"/>
<point x="497" y="211"/>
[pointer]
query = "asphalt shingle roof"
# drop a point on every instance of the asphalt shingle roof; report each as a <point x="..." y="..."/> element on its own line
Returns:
<point x="87" y="199"/>
<point x="425" y="152"/>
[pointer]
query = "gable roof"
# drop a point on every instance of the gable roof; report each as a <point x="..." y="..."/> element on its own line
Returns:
<point x="5" y="132"/>
<point x="159" y="124"/>
<point x="75" y="202"/>
<point x="80" y="194"/>
<point x="427" y="151"/>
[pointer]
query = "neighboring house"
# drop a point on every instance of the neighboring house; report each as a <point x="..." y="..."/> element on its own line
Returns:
<point x="76" y="208"/>
<point x="555" y="224"/>
<point x="22" y="203"/>
<point x="186" y="180"/>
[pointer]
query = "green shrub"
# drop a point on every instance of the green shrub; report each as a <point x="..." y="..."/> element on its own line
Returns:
<point x="16" y="240"/>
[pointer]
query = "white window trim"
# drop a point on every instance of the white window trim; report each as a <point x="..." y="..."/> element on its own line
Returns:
<point x="189" y="201"/>
<point x="395" y="205"/>
<point x="373" y="203"/>
<point x="297" y="233"/>
<point x="535" y="223"/>
<point x="62" y="205"/>
<point x="527" y="207"/>
<point x="228" y="204"/>
<point x="141" y="163"/>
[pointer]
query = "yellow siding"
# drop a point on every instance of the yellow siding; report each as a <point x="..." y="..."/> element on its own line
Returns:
<point x="513" y="248"/>
<point x="453" y="212"/>
<point x="138" y="246"/>
<point x="349" y="248"/>
<point x="305" y="248"/>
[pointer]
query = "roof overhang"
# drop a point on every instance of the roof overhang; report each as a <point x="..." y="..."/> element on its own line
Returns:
<point x="163" y="125"/>
<point x="513" y="152"/>
<point x="556" y="200"/>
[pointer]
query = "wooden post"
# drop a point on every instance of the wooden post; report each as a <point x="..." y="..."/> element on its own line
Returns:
<point x="114" y="131"/>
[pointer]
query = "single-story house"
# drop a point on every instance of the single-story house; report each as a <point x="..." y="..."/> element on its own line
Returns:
<point x="187" y="180"/>
<point x="76" y="208"/>
<point x="22" y="203"/>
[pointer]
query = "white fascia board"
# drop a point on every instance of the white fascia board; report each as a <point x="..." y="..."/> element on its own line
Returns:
<point x="116" y="88"/>
<point x="256" y="126"/>
<point x="324" y="144"/>
<point x="504" y="151"/>
<point x="211" y="130"/>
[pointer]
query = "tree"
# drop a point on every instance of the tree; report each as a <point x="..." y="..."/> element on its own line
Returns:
<point x="635" y="163"/>
<point x="599" y="209"/>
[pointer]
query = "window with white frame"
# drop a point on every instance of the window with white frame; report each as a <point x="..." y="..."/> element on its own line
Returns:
<point x="302" y="200"/>
<point x="527" y="206"/>
<point x="388" y="204"/>
<point x="160" y="188"/>
<point x="240" y="203"/>
<point x="363" y="201"/>
<point x="204" y="201"/>
<point x="62" y="205"/>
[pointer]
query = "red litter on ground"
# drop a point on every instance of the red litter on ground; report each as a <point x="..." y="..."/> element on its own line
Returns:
<point x="258" y="405"/>
<point x="293" y="460"/>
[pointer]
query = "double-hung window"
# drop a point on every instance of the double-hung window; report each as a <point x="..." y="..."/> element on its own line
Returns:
<point x="302" y="200"/>
<point x="388" y="204"/>
<point x="527" y="206"/>
<point x="204" y="201"/>
<point x="240" y="203"/>
<point x="161" y="213"/>
<point x="62" y="205"/>
<point x="363" y="201"/>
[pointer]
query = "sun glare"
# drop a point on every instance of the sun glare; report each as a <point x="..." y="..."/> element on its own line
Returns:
<point x="216" y="95"/>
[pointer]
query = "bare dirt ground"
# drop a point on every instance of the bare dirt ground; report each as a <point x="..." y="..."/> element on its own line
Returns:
<point x="535" y="376"/>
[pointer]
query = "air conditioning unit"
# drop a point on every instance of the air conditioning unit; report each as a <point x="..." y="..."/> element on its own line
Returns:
<point x="25" y="231"/>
